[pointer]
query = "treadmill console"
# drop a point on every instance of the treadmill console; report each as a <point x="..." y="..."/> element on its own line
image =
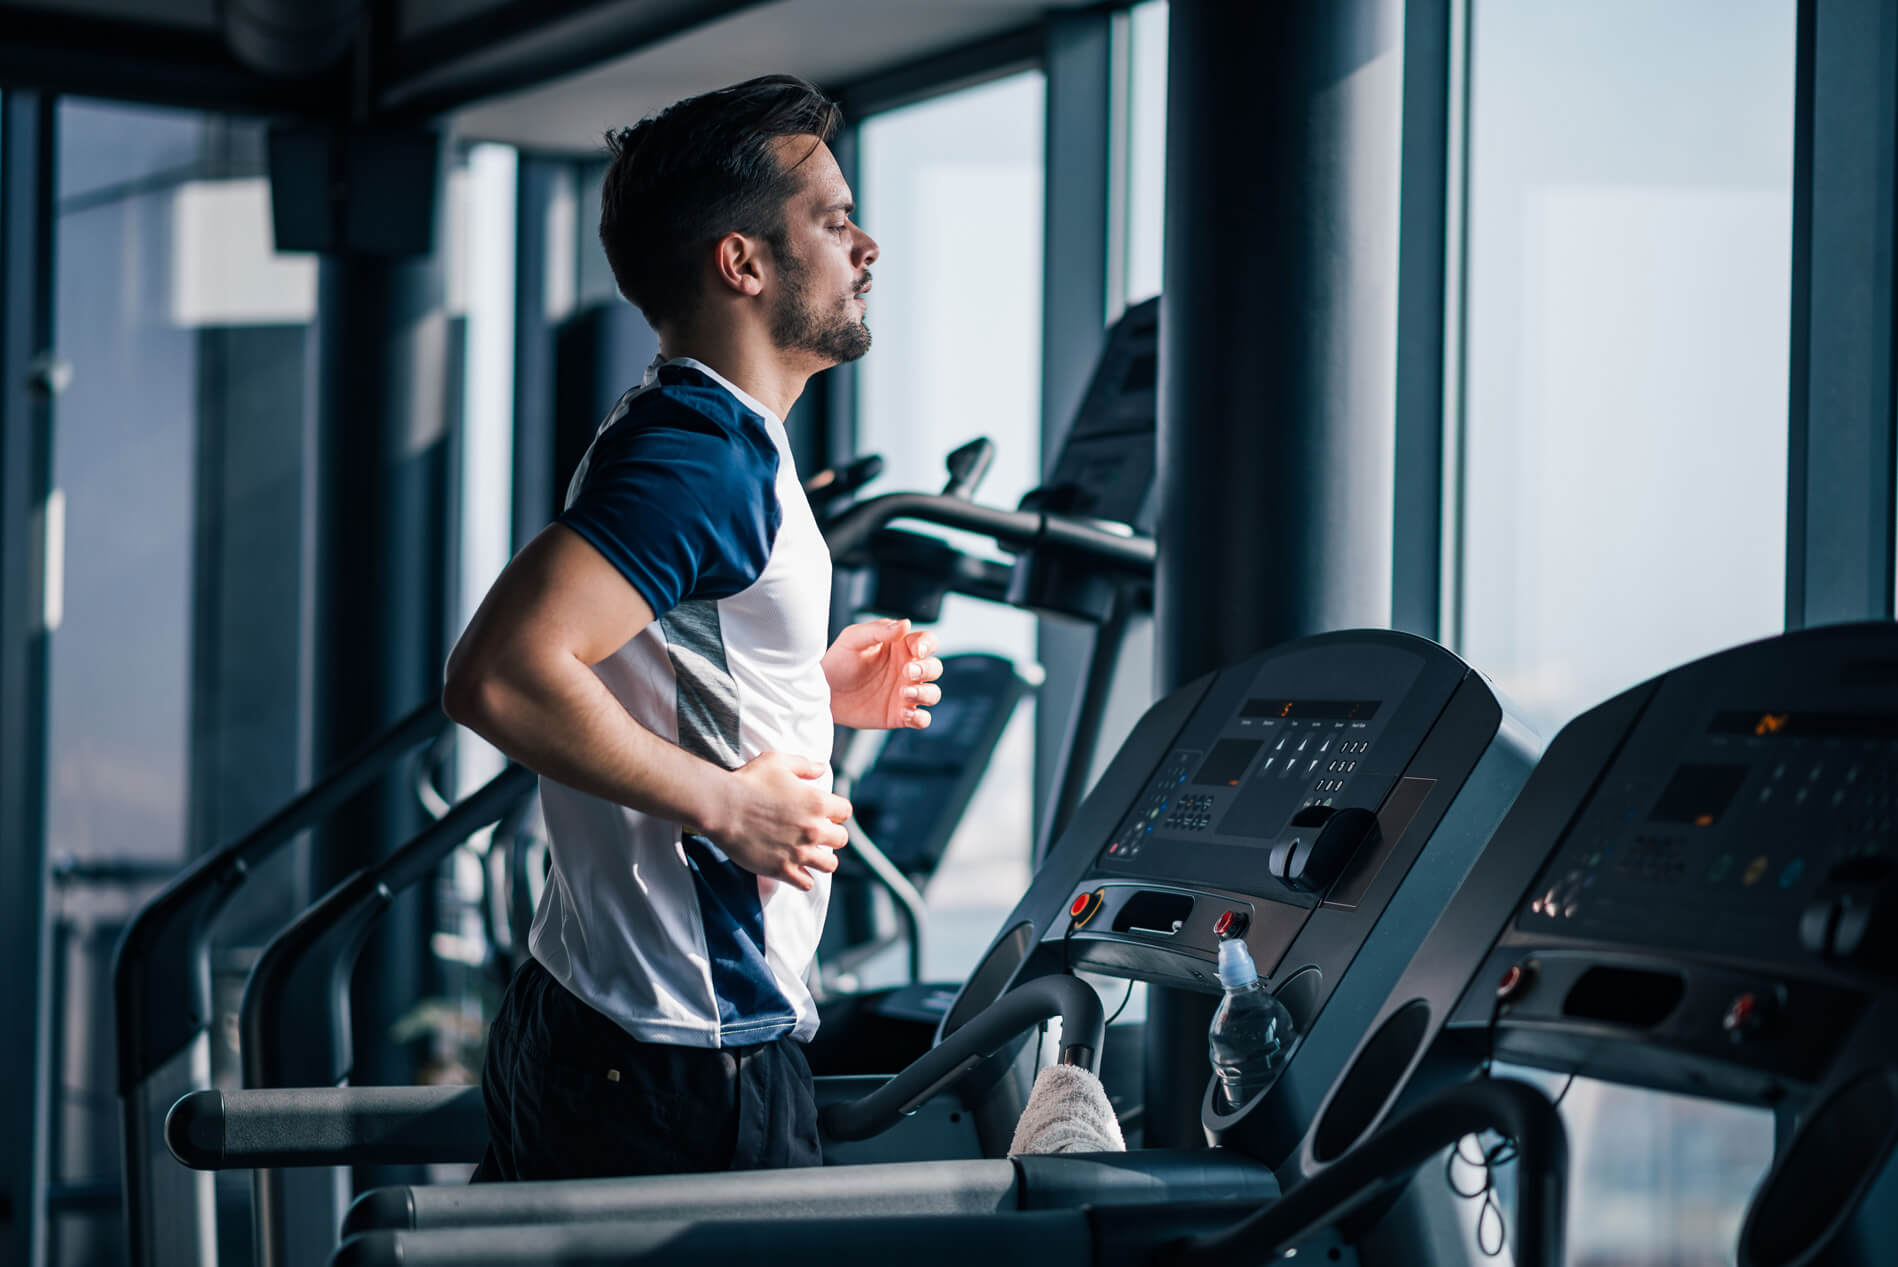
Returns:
<point x="1296" y="800"/>
<point x="1286" y="790"/>
<point x="1720" y="847"/>
<point x="1696" y="892"/>
<point x="1710" y="896"/>
<point x="1214" y="811"/>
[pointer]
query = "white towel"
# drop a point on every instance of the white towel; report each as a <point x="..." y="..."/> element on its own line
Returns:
<point x="1068" y="1112"/>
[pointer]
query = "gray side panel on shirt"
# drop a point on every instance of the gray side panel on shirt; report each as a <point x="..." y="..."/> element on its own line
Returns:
<point x="707" y="692"/>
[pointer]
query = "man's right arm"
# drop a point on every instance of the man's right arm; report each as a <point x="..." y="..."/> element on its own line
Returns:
<point x="522" y="678"/>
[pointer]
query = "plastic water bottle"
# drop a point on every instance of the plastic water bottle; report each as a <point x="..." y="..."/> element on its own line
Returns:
<point x="1251" y="1035"/>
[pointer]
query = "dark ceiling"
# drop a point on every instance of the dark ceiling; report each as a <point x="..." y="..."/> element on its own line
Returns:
<point x="548" y="74"/>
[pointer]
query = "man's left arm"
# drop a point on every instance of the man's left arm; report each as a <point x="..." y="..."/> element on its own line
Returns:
<point x="882" y="676"/>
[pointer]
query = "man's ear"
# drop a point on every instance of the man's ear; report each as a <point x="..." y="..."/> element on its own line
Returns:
<point x="740" y="263"/>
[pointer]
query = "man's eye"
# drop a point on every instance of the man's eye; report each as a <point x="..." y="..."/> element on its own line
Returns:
<point x="839" y="228"/>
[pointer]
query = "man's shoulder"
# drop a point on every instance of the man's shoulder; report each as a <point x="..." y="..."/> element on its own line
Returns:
<point x="685" y="396"/>
<point x="682" y="434"/>
<point x="707" y="409"/>
<point x="667" y="418"/>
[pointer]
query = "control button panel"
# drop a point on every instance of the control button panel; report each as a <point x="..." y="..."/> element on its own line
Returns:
<point x="1729" y="845"/>
<point x="1162" y="793"/>
<point x="1190" y="813"/>
<point x="1329" y="726"/>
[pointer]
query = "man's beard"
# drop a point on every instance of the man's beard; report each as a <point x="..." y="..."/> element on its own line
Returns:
<point x="797" y="325"/>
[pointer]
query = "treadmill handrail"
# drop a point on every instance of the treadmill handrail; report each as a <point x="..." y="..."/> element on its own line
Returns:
<point x="340" y="921"/>
<point x="1083" y="1026"/>
<point x="167" y="946"/>
<point x="909" y="903"/>
<point x="1016" y="529"/>
<point x="1504" y="1105"/>
<point x="327" y="1126"/>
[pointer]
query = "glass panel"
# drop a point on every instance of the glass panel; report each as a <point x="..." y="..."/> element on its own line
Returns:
<point x="479" y="261"/>
<point x="952" y="190"/>
<point x="1628" y="296"/>
<point x="483" y="257"/>
<point x="1655" y="1180"/>
<point x="1146" y="147"/>
<point x="177" y="469"/>
<point x="124" y="474"/>
<point x="175" y="564"/>
<point x="1628" y="292"/>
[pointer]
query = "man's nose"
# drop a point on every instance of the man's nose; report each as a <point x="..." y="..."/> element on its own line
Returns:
<point x="866" y="248"/>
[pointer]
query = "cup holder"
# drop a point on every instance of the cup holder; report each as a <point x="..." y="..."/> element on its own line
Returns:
<point x="1373" y="1079"/>
<point x="1266" y="1127"/>
<point x="1824" y="1174"/>
<point x="1299" y="993"/>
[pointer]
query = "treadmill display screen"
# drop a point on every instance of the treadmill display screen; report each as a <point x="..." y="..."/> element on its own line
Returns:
<point x="1312" y="709"/>
<point x="1699" y="794"/>
<point x="1226" y="764"/>
<point x="1806" y="725"/>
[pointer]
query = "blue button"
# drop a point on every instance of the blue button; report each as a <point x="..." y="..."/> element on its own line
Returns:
<point x="1790" y="876"/>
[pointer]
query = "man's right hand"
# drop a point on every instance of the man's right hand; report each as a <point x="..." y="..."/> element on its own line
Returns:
<point x="778" y="823"/>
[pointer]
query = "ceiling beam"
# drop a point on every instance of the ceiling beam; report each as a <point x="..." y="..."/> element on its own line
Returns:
<point x="146" y="62"/>
<point x="527" y="42"/>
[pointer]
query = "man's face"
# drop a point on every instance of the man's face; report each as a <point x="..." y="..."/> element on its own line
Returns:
<point x="823" y="261"/>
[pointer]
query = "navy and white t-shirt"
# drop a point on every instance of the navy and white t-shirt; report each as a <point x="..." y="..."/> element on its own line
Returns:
<point x="690" y="491"/>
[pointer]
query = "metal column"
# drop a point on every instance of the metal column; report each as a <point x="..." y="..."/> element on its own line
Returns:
<point x="27" y="521"/>
<point x="1417" y="540"/>
<point x="536" y="482"/>
<point x="1277" y="364"/>
<point x="1839" y="497"/>
<point x="1074" y="270"/>
<point x="382" y="362"/>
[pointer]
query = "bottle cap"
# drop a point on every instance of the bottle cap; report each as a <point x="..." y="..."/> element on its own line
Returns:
<point x="1236" y="969"/>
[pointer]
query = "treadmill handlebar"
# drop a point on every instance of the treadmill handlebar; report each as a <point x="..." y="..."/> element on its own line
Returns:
<point x="301" y="981"/>
<point x="162" y="965"/>
<point x="1389" y="1157"/>
<point x="1083" y="1027"/>
<point x="1016" y="529"/>
<point x="327" y="1126"/>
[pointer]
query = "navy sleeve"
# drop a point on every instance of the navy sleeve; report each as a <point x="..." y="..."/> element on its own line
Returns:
<point x="683" y="507"/>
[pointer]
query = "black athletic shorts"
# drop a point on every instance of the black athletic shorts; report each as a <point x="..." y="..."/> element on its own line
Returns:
<point x="571" y="1095"/>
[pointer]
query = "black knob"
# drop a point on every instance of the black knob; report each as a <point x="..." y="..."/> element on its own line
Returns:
<point x="967" y="465"/>
<point x="1854" y="915"/>
<point x="1313" y="866"/>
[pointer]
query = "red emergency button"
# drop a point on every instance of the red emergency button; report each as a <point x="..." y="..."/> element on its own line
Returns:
<point x="1516" y="979"/>
<point x="1745" y="1015"/>
<point x="1083" y="907"/>
<point x="1231" y="924"/>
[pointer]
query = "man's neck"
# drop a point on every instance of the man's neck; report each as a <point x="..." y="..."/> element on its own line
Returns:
<point x="760" y="372"/>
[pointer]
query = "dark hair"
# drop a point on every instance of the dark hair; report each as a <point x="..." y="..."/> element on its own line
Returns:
<point x="699" y="169"/>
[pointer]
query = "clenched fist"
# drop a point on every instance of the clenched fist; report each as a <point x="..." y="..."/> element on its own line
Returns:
<point x="778" y="822"/>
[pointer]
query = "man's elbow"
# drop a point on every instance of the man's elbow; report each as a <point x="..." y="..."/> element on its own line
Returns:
<point x="469" y="692"/>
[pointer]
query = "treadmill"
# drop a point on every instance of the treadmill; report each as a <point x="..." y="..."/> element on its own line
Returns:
<point x="1322" y="801"/>
<point x="1696" y="893"/>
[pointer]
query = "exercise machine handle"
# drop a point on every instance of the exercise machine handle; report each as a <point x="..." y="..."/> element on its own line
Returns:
<point x="967" y="465"/>
<point x="327" y="1126"/>
<point x="835" y="482"/>
<point x="162" y="967"/>
<point x="1083" y="1027"/>
<point x="1014" y="529"/>
<point x="1389" y="1157"/>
